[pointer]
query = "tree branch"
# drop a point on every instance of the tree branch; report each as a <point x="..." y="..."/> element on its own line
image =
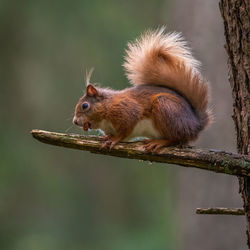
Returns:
<point x="221" y="210"/>
<point x="212" y="160"/>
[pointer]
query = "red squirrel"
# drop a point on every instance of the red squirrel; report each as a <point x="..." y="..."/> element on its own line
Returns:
<point x="168" y="102"/>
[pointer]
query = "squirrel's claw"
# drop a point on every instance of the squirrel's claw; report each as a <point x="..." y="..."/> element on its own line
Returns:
<point x="106" y="144"/>
<point x="154" y="146"/>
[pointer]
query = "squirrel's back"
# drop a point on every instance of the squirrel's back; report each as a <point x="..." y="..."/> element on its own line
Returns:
<point x="160" y="58"/>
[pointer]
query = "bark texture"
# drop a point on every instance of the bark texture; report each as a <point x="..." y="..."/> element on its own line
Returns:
<point x="221" y="210"/>
<point x="212" y="160"/>
<point x="236" y="16"/>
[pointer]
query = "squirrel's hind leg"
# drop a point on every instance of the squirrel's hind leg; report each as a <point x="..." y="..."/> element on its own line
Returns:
<point x="174" y="119"/>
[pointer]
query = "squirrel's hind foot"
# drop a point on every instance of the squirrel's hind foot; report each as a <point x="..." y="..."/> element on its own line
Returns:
<point x="156" y="145"/>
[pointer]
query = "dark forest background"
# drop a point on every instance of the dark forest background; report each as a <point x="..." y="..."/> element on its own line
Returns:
<point x="56" y="198"/>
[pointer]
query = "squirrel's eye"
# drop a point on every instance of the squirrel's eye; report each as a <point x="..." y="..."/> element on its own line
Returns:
<point x="85" y="105"/>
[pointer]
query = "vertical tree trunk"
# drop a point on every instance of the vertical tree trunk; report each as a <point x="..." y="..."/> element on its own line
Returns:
<point x="236" y="16"/>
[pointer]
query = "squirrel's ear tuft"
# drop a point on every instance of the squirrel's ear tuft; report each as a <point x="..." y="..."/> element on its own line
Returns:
<point x="88" y="76"/>
<point x="91" y="90"/>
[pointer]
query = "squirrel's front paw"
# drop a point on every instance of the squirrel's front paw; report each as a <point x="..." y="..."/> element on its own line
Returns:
<point x="104" y="137"/>
<point x="110" y="142"/>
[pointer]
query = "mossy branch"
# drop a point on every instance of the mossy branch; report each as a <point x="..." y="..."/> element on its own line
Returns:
<point x="212" y="160"/>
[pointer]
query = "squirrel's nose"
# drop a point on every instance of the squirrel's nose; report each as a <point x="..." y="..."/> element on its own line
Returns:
<point x="75" y="121"/>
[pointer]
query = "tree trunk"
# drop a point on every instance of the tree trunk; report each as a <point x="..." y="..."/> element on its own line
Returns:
<point x="236" y="16"/>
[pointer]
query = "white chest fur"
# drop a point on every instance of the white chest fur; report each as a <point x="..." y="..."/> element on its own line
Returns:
<point x="144" y="128"/>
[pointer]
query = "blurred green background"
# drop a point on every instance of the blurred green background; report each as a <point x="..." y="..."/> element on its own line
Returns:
<point x="56" y="198"/>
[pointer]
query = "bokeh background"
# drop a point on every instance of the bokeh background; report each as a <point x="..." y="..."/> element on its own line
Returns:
<point x="62" y="199"/>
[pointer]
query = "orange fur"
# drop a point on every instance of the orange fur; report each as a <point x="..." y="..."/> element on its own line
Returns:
<point x="168" y="103"/>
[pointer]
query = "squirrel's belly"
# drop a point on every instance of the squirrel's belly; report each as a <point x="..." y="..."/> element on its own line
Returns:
<point x="144" y="128"/>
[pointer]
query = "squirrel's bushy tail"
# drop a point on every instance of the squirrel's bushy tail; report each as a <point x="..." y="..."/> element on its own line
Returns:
<point x="161" y="58"/>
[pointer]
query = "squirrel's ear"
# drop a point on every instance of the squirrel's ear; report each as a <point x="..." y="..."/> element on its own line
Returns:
<point x="91" y="90"/>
